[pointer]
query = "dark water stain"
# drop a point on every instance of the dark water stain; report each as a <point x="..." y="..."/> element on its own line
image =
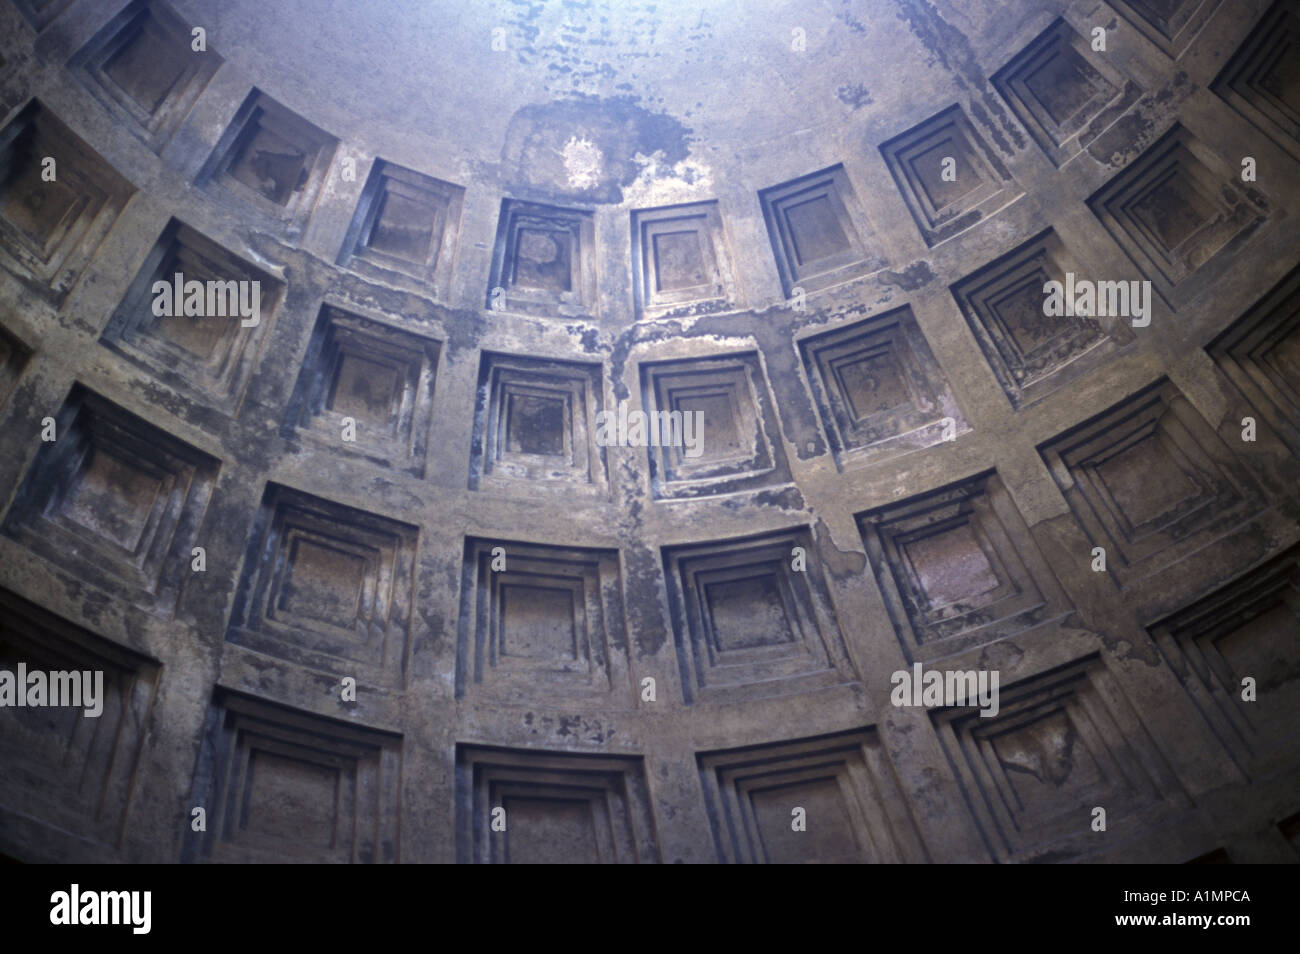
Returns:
<point x="914" y="276"/>
<point x="949" y="227"/>
<point x="783" y="498"/>
<point x="952" y="50"/>
<point x="853" y="23"/>
<point x="1153" y="115"/>
<point x="855" y="96"/>
<point x="532" y="158"/>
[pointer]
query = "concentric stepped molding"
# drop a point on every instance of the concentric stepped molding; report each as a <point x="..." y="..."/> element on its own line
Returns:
<point x="369" y="582"/>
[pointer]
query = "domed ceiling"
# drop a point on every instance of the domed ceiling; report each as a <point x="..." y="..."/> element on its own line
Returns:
<point x="646" y="431"/>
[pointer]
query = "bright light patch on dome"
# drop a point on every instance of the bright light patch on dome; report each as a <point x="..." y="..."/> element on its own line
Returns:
<point x="582" y="159"/>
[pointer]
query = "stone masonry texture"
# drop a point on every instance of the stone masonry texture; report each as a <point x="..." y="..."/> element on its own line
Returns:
<point x="367" y="577"/>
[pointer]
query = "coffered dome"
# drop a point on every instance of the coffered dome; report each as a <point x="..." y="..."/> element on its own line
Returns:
<point x="574" y="431"/>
